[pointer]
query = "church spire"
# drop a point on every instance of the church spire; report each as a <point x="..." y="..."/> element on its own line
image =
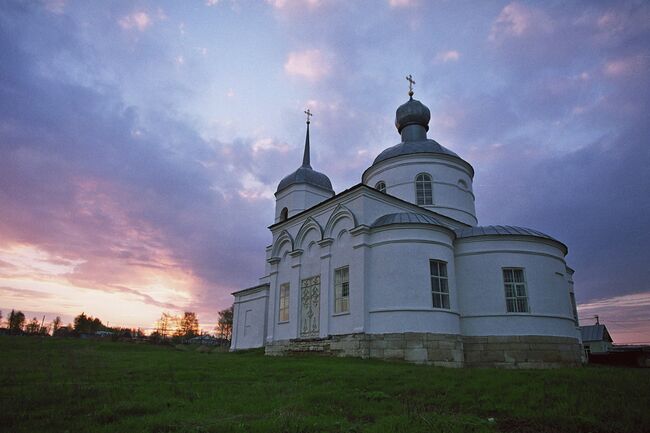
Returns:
<point x="305" y="158"/>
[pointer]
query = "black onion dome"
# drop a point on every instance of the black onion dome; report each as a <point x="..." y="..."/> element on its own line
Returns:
<point x="413" y="112"/>
<point x="306" y="175"/>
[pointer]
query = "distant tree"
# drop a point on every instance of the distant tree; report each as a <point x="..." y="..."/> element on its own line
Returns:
<point x="32" y="327"/>
<point x="167" y="325"/>
<point x="87" y="324"/>
<point x="64" y="331"/>
<point x="56" y="324"/>
<point x="0" y="318"/>
<point x="224" y="325"/>
<point x="16" y="321"/>
<point x="188" y="326"/>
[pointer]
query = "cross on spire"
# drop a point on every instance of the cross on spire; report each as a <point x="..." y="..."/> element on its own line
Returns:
<point x="309" y="114"/>
<point x="409" y="78"/>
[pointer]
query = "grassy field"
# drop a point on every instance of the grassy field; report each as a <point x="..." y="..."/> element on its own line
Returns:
<point x="51" y="385"/>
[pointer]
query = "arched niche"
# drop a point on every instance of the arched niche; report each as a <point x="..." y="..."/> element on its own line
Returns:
<point x="340" y="214"/>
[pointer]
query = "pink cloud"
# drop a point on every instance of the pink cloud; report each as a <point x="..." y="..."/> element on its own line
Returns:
<point x="401" y="3"/>
<point x="625" y="316"/>
<point x="516" y="20"/>
<point x="310" y="64"/>
<point x="625" y="66"/>
<point x="447" y="56"/>
<point x="293" y="4"/>
<point x="137" y="20"/>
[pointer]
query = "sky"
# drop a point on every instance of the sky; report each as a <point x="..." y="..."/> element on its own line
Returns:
<point x="141" y="142"/>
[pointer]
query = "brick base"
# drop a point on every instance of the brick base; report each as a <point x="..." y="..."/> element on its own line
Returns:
<point x="446" y="350"/>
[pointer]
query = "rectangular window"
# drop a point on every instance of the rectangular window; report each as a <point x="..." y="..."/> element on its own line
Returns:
<point x="574" y="307"/>
<point x="284" y="302"/>
<point x="439" y="284"/>
<point x="515" y="285"/>
<point x="342" y="290"/>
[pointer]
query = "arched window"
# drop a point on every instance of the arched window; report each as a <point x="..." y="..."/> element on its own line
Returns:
<point x="380" y="186"/>
<point x="284" y="214"/>
<point x="423" y="189"/>
<point x="462" y="184"/>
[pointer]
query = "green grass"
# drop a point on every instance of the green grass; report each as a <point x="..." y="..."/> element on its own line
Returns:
<point x="91" y="386"/>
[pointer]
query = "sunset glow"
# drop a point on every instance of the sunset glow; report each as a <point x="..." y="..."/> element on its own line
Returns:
<point x="141" y="143"/>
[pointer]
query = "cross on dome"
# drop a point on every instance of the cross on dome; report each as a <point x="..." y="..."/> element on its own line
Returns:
<point x="309" y="114"/>
<point x="411" y="81"/>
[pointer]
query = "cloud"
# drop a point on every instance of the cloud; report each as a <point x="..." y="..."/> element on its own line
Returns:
<point x="447" y="56"/>
<point x="401" y="3"/>
<point x="294" y="4"/>
<point x="625" y="316"/>
<point x="311" y="64"/>
<point x="55" y="6"/>
<point x="137" y="20"/>
<point x="626" y="66"/>
<point x="517" y="20"/>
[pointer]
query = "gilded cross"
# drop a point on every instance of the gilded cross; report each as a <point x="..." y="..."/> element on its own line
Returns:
<point x="409" y="78"/>
<point x="309" y="114"/>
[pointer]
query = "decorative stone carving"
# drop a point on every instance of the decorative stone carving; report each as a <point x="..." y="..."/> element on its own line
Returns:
<point x="310" y="307"/>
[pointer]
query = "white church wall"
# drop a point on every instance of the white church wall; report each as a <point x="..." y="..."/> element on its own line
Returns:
<point x="297" y="198"/>
<point x="284" y="329"/>
<point x="249" y="318"/>
<point x="399" y="281"/>
<point x="450" y="195"/>
<point x="342" y="255"/>
<point x="479" y="267"/>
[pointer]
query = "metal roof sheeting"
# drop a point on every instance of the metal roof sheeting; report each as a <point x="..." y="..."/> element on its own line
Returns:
<point x="500" y="230"/>
<point x="406" y="218"/>
<point x="595" y="333"/>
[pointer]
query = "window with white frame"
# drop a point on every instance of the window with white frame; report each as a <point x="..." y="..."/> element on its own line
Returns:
<point x="439" y="284"/>
<point x="380" y="186"/>
<point x="515" y="285"/>
<point x="423" y="189"/>
<point x="342" y="290"/>
<point x="284" y="302"/>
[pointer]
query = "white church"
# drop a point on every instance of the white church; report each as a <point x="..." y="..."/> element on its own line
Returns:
<point x="397" y="267"/>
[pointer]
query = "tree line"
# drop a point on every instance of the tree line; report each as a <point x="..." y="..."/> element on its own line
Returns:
<point x="169" y="327"/>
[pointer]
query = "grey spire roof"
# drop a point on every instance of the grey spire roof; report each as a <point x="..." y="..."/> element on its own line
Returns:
<point x="305" y="174"/>
<point x="406" y="218"/>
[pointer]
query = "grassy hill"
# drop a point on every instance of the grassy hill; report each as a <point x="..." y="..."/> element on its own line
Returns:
<point x="51" y="385"/>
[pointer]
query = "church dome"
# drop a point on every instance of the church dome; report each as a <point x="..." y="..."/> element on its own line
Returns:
<point x="412" y="122"/>
<point x="306" y="175"/>
<point x="411" y="147"/>
<point x="413" y="112"/>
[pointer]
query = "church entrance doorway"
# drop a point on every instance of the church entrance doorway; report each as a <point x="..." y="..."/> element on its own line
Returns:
<point x="310" y="307"/>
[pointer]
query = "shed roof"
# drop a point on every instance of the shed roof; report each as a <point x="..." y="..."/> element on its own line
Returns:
<point x="595" y="333"/>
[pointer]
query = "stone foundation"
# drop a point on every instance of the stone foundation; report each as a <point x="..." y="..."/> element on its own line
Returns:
<point x="524" y="351"/>
<point x="446" y="350"/>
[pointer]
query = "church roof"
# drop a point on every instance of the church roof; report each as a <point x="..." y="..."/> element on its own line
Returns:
<point x="411" y="147"/>
<point x="503" y="231"/>
<point x="406" y="218"/>
<point x="412" y="122"/>
<point x="305" y="174"/>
